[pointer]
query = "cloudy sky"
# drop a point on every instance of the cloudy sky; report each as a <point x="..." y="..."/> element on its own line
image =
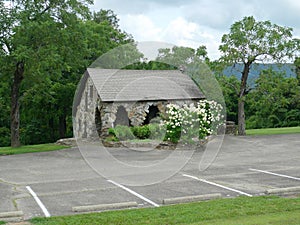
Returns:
<point x="196" y="22"/>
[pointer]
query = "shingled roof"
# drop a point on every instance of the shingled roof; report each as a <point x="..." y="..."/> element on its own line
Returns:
<point x="143" y="85"/>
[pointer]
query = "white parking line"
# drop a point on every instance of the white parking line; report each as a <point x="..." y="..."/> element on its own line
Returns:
<point x="218" y="185"/>
<point x="134" y="193"/>
<point x="38" y="201"/>
<point x="275" y="174"/>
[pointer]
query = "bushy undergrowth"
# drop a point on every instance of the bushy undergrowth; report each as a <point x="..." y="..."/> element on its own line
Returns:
<point x="188" y="124"/>
<point x="149" y="131"/>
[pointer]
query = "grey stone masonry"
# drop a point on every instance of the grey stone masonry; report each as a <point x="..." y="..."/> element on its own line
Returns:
<point x="84" y="125"/>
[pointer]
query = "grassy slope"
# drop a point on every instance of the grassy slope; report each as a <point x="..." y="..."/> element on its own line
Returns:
<point x="268" y="131"/>
<point x="241" y="210"/>
<point x="30" y="148"/>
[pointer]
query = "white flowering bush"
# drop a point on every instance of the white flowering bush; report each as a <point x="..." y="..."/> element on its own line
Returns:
<point x="193" y="122"/>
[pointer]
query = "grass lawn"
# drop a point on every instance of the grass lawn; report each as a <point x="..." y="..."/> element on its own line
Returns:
<point x="241" y="210"/>
<point x="31" y="148"/>
<point x="266" y="131"/>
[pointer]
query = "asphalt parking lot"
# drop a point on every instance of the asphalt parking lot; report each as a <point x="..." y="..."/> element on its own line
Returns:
<point x="63" y="182"/>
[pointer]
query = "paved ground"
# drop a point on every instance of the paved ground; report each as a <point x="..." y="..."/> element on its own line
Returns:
<point x="63" y="179"/>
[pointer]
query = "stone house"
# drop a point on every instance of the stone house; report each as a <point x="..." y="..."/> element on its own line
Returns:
<point x="108" y="97"/>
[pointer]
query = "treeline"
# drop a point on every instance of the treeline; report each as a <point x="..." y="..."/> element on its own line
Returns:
<point x="45" y="49"/>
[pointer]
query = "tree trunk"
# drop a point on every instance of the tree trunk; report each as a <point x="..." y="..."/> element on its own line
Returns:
<point x="241" y="99"/>
<point x="241" y="117"/>
<point x="15" y="106"/>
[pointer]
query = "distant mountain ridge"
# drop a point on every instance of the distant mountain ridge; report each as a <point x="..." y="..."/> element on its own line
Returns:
<point x="288" y="69"/>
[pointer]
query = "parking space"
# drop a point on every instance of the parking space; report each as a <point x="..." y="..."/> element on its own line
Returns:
<point x="62" y="180"/>
<point x="6" y="191"/>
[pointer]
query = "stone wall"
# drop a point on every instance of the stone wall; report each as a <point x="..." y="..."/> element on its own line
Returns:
<point x="84" y="125"/>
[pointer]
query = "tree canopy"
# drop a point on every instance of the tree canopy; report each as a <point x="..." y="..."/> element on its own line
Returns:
<point x="45" y="48"/>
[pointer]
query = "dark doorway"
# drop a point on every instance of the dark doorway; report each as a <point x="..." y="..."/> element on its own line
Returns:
<point x="98" y="121"/>
<point x="153" y="112"/>
<point x="121" y="117"/>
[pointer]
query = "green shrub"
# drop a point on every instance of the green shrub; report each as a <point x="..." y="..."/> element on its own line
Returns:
<point x="156" y="131"/>
<point x="173" y="134"/>
<point x="4" y="136"/>
<point x="112" y="138"/>
<point x="149" y="131"/>
<point x="123" y="133"/>
<point x="111" y="131"/>
<point x="141" y="132"/>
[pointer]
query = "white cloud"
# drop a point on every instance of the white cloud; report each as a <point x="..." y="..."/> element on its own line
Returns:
<point x="184" y="33"/>
<point x="181" y="29"/>
<point x="141" y="27"/>
<point x="178" y="31"/>
<point x="197" y="22"/>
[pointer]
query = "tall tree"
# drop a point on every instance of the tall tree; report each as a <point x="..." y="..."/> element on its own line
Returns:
<point x="251" y="41"/>
<point x="34" y="41"/>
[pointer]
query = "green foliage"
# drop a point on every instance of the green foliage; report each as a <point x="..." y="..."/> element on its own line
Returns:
<point x="4" y="111"/>
<point x="112" y="138"/>
<point x="141" y="132"/>
<point x="274" y="102"/>
<point x="152" y="131"/>
<point x="111" y="131"/>
<point x="4" y="136"/>
<point x="182" y="56"/>
<point x="55" y="42"/>
<point x="297" y="68"/>
<point x="123" y="133"/>
<point x="250" y="40"/>
<point x="151" y="65"/>
<point x="112" y="135"/>
<point x="230" y="87"/>
<point x="157" y="132"/>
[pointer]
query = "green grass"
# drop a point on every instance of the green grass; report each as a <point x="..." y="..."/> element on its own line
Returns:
<point x="268" y="131"/>
<point x="31" y="148"/>
<point x="288" y="218"/>
<point x="2" y="222"/>
<point x="241" y="210"/>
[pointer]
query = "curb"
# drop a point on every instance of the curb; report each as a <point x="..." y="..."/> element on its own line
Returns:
<point x="289" y="190"/>
<point x="14" y="216"/>
<point x="88" y="208"/>
<point x="194" y="198"/>
<point x="11" y="214"/>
